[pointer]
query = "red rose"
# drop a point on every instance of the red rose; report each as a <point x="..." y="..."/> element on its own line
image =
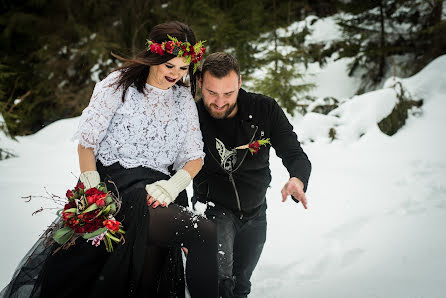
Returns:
<point x="93" y="191"/>
<point x="99" y="199"/>
<point x="156" y="48"/>
<point x="153" y="48"/>
<point x="67" y="215"/>
<point x="69" y="205"/>
<point x="90" y="228"/>
<point x="94" y="224"/>
<point x="91" y="199"/>
<point x="112" y="224"/>
<point x="89" y="216"/>
<point x="69" y="194"/>
<point x="254" y="145"/>
<point x="100" y="202"/>
<point x="169" y="47"/>
<point x="80" y="185"/>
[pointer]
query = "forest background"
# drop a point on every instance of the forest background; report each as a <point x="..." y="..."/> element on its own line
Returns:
<point x="52" y="52"/>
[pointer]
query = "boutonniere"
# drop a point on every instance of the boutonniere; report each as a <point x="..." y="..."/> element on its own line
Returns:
<point x="253" y="147"/>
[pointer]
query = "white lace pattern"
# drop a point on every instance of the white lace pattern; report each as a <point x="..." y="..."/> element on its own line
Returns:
<point x="154" y="130"/>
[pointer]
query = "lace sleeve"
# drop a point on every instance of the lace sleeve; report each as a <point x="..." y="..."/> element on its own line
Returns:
<point x="96" y="117"/>
<point x="192" y="147"/>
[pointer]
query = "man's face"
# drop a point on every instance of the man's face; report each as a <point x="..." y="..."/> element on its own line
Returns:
<point x="220" y="94"/>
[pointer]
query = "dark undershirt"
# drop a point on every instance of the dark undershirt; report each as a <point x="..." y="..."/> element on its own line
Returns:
<point x="226" y="131"/>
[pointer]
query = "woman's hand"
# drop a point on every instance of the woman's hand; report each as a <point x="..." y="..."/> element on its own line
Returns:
<point x="151" y="201"/>
<point x="166" y="191"/>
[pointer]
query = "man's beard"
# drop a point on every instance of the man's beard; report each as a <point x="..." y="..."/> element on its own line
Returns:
<point x="221" y="116"/>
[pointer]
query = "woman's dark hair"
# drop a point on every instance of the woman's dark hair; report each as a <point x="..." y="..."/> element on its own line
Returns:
<point x="136" y="69"/>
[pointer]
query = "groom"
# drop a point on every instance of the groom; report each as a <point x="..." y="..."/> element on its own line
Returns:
<point x="238" y="130"/>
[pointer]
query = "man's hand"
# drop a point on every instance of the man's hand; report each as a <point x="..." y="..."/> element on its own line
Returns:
<point x="294" y="187"/>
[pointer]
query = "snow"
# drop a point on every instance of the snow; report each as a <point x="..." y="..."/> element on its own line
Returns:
<point x="377" y="204"/>
<point x="332" y="79"/>
<point x="323" y="30"/>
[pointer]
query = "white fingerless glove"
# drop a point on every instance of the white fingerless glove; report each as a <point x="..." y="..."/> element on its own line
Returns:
<point x="90" y="179"/>
<point x="166" y="191"/>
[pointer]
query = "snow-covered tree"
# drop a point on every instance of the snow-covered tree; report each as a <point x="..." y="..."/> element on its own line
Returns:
<point x="378" y="34"/>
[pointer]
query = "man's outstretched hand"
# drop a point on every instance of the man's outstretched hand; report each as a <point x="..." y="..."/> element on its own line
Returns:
<point x="295" y="188"/>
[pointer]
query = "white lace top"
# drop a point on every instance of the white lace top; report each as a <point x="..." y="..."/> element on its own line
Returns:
<point x="154" y="130"/>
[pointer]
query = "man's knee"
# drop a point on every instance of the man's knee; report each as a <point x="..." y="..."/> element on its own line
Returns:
<point x="226" y="287"/>
<point x="225" y="264"/>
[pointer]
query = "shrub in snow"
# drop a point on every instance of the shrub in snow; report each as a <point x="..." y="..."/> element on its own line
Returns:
<point x="328" y="105"/>
<point x="397" y="118"/>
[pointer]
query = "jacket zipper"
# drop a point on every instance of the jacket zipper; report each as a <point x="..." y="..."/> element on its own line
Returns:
<point x="236" y="195"/>
<point x="232" y="178"/>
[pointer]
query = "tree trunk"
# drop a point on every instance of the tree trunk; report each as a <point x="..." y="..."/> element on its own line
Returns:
<point x="276" y="62"/>
<point x="382" y="51"/>
<point x="438" y="32"/>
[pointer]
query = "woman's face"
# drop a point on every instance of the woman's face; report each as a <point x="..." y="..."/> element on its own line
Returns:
<point x="165" y="75"/>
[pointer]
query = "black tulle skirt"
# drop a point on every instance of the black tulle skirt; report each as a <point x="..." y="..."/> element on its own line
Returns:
<point x="84" y="270"/>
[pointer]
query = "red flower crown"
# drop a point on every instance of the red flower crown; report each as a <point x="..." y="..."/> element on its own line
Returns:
<point x="192" y="54"/>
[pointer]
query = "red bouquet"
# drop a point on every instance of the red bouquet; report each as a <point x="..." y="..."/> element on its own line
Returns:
<point x="89" y="214"/>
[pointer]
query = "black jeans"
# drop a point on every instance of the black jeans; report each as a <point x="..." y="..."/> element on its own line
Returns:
<point x="240" y="244"/>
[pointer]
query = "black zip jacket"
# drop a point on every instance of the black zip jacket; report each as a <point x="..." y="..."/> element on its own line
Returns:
<point x="242" y="188"/>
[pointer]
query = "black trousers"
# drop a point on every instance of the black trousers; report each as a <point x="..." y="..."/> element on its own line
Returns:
<point x="240" y="244"/>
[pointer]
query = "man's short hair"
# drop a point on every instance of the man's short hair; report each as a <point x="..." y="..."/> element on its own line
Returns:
<point x="220" y="64"/>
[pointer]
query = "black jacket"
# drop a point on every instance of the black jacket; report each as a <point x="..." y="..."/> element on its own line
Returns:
<point x="242" y="187"/>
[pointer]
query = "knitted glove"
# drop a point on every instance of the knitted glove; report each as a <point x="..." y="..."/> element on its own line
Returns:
<point x="90" y="179"/>
<point x="166" y="191"/>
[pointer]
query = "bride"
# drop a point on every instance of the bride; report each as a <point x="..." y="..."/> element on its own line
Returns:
<point x="140" y="126"/>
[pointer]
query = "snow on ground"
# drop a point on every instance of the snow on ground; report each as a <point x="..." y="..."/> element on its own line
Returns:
<point x="377" y="204"/>
<point x="46" y="159"/>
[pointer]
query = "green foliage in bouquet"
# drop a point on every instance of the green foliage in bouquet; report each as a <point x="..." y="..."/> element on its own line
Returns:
<point x="89" y="214"/>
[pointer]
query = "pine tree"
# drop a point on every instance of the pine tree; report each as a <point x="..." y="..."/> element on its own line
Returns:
<point x="51" y="65"/>
<point x="376" y="31"/>
<point x="426" y="38"/>
<point x="365" y="27"/>
<point x="284" y="80"/>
